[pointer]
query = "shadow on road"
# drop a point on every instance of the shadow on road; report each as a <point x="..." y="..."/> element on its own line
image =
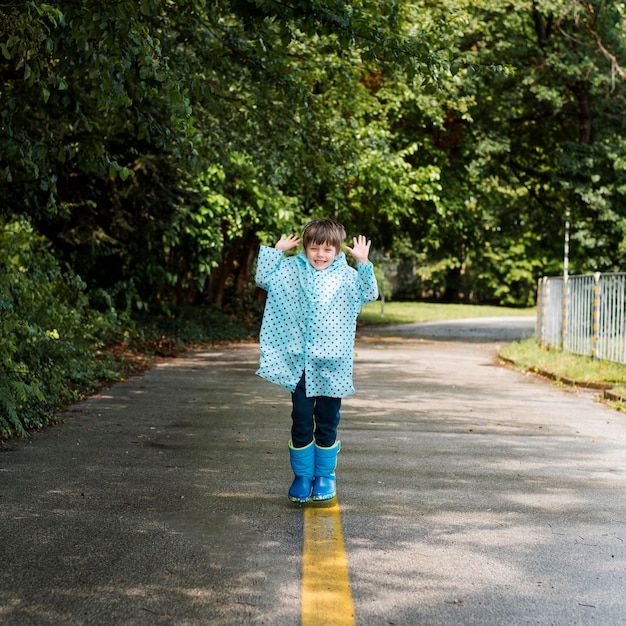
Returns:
<point x="475" y="330"/>
<point x="470" y="494"/>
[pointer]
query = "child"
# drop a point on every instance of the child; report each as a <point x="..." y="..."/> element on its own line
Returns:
<point x="307" y="342"/>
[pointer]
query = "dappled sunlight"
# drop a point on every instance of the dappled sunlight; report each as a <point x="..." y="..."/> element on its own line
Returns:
<point x="467" y="492"/>
<point x="246" y="496"/>
<point x="463" y="496"/>
<point x="424" y="565"/>
<point x="554" y="503"/>
<point x="42" y="611"/>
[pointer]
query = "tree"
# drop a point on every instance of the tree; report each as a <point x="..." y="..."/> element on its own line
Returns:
<point x="545" y="132"/>
<point x="156" y="144"/>
<point x="158" y="140"/>
<point x="526" y="131"/>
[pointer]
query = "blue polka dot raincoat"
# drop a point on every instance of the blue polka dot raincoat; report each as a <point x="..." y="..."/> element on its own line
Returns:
<point x="309" y="321"/>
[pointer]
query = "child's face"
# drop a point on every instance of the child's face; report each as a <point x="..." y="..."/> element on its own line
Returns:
<point x="321" y="255"/>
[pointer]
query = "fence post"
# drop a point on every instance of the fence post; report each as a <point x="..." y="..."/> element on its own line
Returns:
<point x="596" y="314"/>
<point x="564" y="313"/>
<point x="538" y="315"/>
<point x="541" y="311"/>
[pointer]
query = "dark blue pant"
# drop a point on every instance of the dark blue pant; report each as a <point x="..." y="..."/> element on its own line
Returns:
<point x="317" y="416"/>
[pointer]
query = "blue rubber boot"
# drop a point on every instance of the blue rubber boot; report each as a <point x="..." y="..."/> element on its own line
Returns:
<point x="303" y="466"/>
<point x="325" y="485"/>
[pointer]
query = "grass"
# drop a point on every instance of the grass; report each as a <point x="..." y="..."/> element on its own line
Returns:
<point x="409" y="312"/>
<point x="530" y="356"/>
<point x="570" y="368"/>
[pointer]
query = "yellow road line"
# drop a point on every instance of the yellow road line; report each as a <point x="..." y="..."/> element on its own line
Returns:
<point x="326" y="593"/>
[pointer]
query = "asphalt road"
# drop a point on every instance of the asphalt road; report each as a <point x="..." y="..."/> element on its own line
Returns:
<point x="469" y="494"/>
<point x="476" y="330"/>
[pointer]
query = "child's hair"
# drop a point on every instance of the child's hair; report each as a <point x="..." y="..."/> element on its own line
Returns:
<point x="319" y="232"/>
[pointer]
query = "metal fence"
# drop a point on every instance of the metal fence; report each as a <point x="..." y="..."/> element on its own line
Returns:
<point x="584" y="314"/>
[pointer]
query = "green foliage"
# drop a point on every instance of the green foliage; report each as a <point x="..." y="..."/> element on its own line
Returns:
<point x="528" y="355"/>
<point x="154" y="145"/>
<point x="192" y="325"/>
<point x="524" y="131"/>
<point x="544" y="138"/>
<point x="162" y="144"/>
<point x="56" y="342"/>
<point x="77" y="81"/>
<point x="165" y="144"/>
<point x="48" y="335"/>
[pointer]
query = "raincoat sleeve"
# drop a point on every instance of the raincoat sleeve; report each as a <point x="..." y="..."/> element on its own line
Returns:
<point x="268" y="262"/>
<point x="367" y="282"/>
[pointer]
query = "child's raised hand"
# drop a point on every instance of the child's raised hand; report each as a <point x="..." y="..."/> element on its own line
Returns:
<point x="287" y="243"/>
<point x="361" y="248"/>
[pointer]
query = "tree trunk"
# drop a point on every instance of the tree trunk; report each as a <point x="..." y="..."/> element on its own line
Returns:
<point x="248" y="256"/>
<point x="219" y="277"/>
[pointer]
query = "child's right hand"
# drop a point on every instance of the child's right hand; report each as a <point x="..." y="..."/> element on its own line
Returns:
<point x="287" y="243"/>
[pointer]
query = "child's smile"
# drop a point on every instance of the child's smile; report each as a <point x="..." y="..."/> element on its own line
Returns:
<point x="321" y="256"/>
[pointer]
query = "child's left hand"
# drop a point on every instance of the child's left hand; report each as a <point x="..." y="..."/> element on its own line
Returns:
<point x="361" y="248"/>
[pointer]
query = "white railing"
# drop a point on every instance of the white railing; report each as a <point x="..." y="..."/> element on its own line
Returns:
<point x="584" y="315"/>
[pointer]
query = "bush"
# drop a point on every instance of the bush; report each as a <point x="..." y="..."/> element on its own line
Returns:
<point x="59" y="342"/>
<point x="49" y="338"/>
